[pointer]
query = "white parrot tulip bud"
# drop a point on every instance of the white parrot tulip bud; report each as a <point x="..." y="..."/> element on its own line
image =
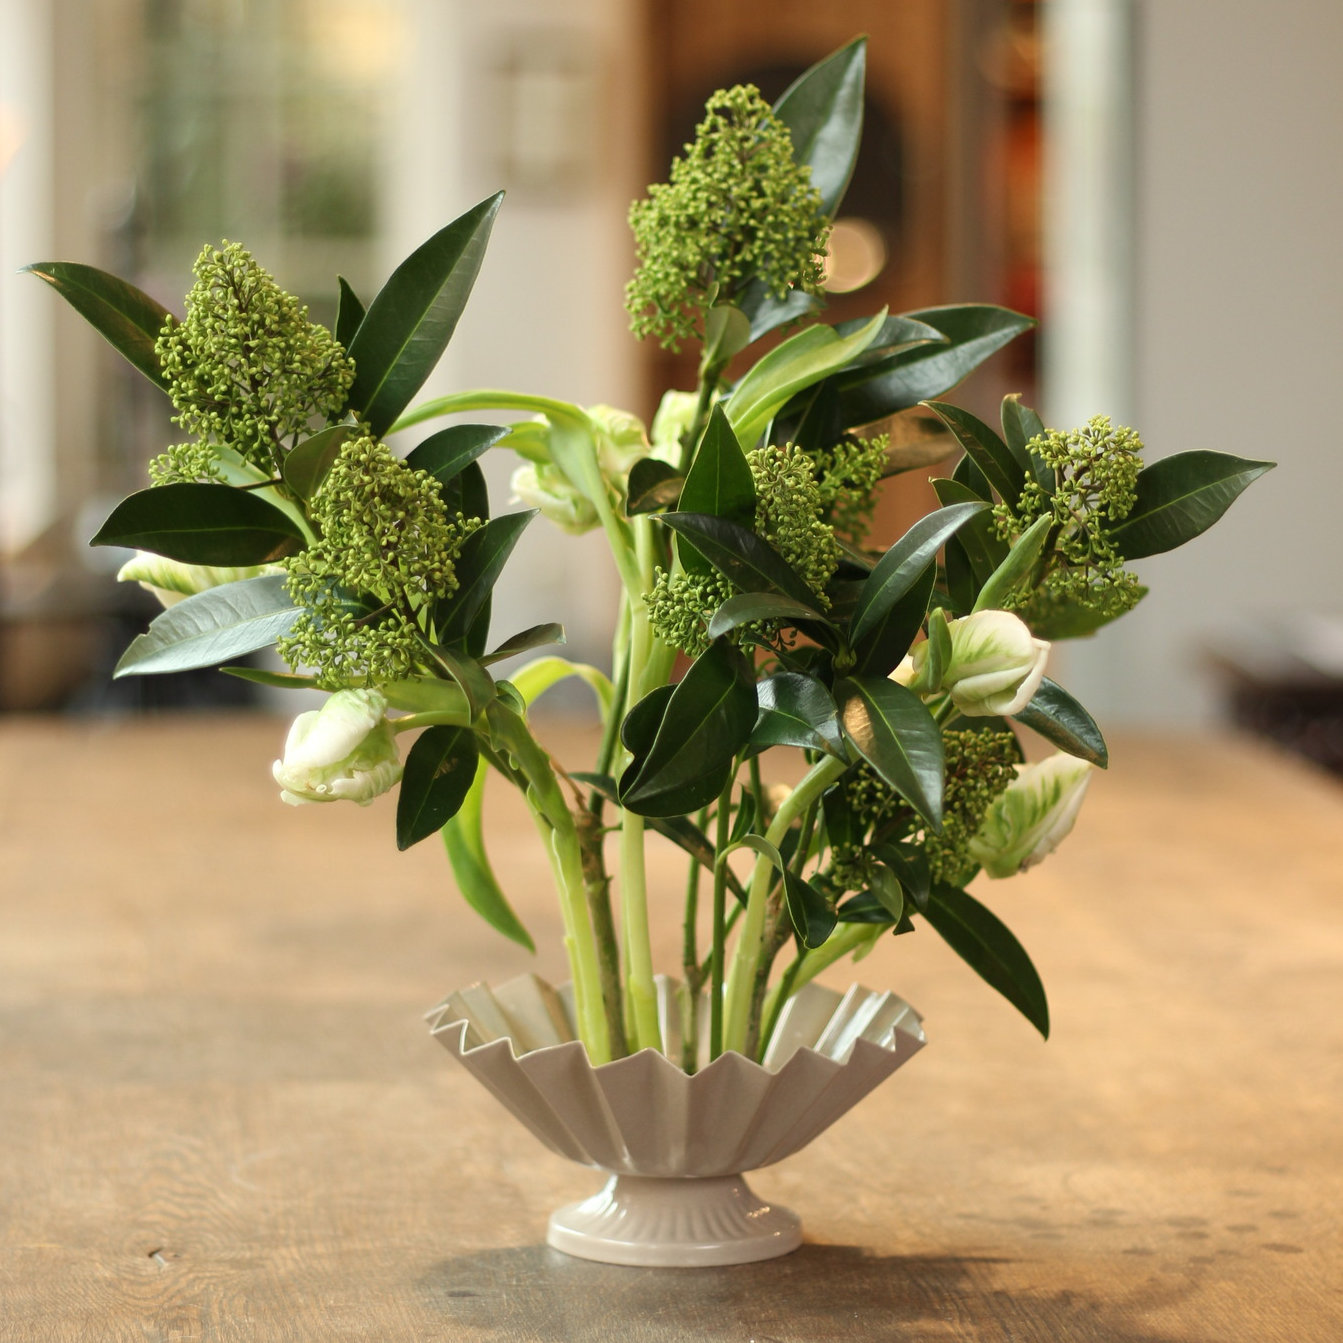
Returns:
<point x="621" y="441"/>
<point x="995" y="668"/>
<point x="344" y="751"/>
<point x="1033" y="817"/>
<point x="675" y="414"/>
<point x="549" y="489"/>
<point x="171" y="580"/>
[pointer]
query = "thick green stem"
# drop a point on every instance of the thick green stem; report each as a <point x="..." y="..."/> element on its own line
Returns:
<point x="691" y="978"/>
<point x="774" y="1002"/>
<point x="598" y="886"/>
<point x="846" y="938"/>
<point x="639" y="985"/>
<point x="751" y="940"/>
<point x="723" y="835"/>
<point x="556" y="823"/>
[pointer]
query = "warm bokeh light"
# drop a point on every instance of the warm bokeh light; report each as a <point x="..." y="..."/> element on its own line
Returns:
<point x="857" y="255"/>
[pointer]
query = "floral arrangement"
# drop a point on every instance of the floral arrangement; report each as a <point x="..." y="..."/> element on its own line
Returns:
<point x="753" y="616"/>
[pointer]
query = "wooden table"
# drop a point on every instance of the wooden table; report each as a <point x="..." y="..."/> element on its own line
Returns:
<point x="221" y="1119"/>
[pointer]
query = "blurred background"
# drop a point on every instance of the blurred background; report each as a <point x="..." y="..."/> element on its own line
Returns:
<point x="1157" y="181"/>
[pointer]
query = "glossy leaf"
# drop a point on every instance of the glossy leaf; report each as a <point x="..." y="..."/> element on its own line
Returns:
<point x="910" y="865"/>
<point x="766" y="313"/>
<point x="535" y="636"/>
<point x="128" y="319"/>
<point x="1016" y="568"/>
<point x="885" y="643"/>
<point x="440" y="769"/>
<point x="201" y="524"/>
<point x="904" y="564"/>
<point x="483" y="556"/>
<point x="797" y="710"/>
<point x="977" y="538"/>
<point x="473" y="680"/>
<point x="211" y="627"/>
<point x="808" y="910"/>
<point x="973" y="332"/>
<point x="898" y="331"/>
<point x="1180" y="497"/>
<point x="450" y="451"/>
<point x="891" y="728"/>
<point x="886" y="888"/>
<point x="727" y="331"/>
<point x="990" y="453"/>
<point x="988" y="947"/>
<point x="466" y="493"/>
<point x="747" y="607"/>
<point x="719" y="483"/>
<point x="752" y="564"/>
<point x="798" y="362"/>
<point x="1020" y="425"/>
<point x="408" y="326"/>
<point x="349" y="313"/>
<point x="1061" y="720"/>
<point x="653" y="484"/>
<point x="464" y="840"/>
<point x="307" y="465"/>
<point x="823" y="110"/>
<point x="708" y="719"/>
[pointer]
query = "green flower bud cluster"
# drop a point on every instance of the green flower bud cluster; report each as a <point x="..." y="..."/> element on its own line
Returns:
<point x="385" y="554"/>
<point x="186" y="463"/>
<point x="1096" y="472"/>
<point x="848" y="474"/>
<point x="788" y="515"/>
<point x="979" y="768"/>
<point x="738" y="205"/>
<point x="245" y="368"/>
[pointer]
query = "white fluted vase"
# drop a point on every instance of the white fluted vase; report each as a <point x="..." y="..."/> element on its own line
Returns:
<point x="676" y="1146"/>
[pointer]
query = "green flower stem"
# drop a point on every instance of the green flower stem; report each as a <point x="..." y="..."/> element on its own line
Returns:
<point x="556" y="822"/>
<point x="690" y="968"/>
<point x="751" y="940"/>
<point x="708" y="385"/>
<point x="431" y="718"/>
<point x="848" y="937"/>
<point x="717" y="956"/>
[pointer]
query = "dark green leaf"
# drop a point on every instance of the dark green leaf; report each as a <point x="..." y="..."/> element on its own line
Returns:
<point x="748" y="607"/>
<point x="447" y="453"/>
<point x="766" y="312"/>
<point x="967" y="473"/>
<point x="880" y="650"/>
<point x="897" y="330"/>
<point x="973" y="332"/>
<point x="741" y="556"/>
<point x="409" y="324"/>
<point x="727" y="331"/>
<point x="864" y="908"/>
<point x="718" y="484"/>
<point x="708" y="719"/>
<point x="1180" y="497"/>
<point x="888" y="892"/>
<point x="1061" y="720"/>
<point x="823" y="110"/>
<point x="1067" y="618"/>
<point x="349" y="313"/>
<point x="639" y="729"/>
<point x="464" y="840"/>
<point x="201" y="524"/>
<point x="466" y="493"/>
<point x="212" y="626"/>
<point x="129" y="320"/>
<point x="808" y="910"/>
<point x="905" y="563"/>
<point x="893" y="731"/>
<point x="483" y="556"/>
<point x="1020" y="425"/>
<point x="910" y="865"/>
<point x="797" y="711"/>
<point x="981" y="544"/>
<point x="653" y="484"/>
<point x="536" y="636"/>
<point x="307" y="465"/>
<point x="988" y="947"/>
<point x="991" y="454"/>
<point x="440" y="769"/>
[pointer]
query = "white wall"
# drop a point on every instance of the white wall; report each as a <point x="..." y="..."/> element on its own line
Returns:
<point x="1237" y="327"/>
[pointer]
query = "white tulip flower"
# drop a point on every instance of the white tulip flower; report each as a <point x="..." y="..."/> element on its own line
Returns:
<point x="621" y="441"/>
<point x="995" y="668"/>
<point x="540" y="485"/>
<point x="343" y="752"/>
<point x="675" y="414"/>
<point x="1033" y="817"/>
<point x="171" y="580"/>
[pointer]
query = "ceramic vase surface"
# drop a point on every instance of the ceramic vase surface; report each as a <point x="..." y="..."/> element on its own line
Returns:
<point x="675" y="1145"/>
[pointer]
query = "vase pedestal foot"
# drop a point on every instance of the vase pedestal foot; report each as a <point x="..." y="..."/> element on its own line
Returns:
<point x="674" y="1223"/>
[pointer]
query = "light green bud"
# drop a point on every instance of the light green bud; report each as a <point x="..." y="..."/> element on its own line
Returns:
<point x="995" y="668"/>
<point x="344" y="751"/>
<point x="1033" y="817"/>
<point x="675" y="414"/>
<point x="540" y="485"/>
<point x="171" y="580"/>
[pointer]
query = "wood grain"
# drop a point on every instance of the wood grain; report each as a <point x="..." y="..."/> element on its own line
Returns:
<point x="220" y="1117"/>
